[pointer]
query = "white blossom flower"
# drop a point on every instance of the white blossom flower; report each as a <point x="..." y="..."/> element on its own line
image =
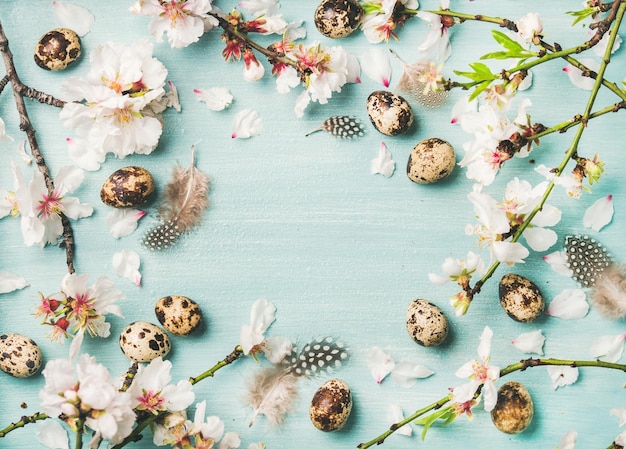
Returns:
<point x="480" y="373"/>
<point x="216" y="98"/>
<point x="379" y="363"/>
<point x="568" y="441"/>
<point x="608" y="347"/>
<point x="379" y="23"/>
<point x="576" y="75"/>
<point x="10" y="282"/>
<point x="51" y="434"/>
<point x="181" y="20"/>
<point x="437" y="41"/>
<point x="74" y="17"/>
<point x="530" y="27"/>
<point x="383" y="164"/>
<point x="376" y="65"/>
<point x="406" y="374"/>
<point x="599" y="214"/>
<point x="123" y="222"/>
<point x="209" y="431"/>
<point x="90" y="396"/>
<point x="262" y="315"/>
<point x="246" y="124"/>
<point x="572" y="186"/>
<point x="562" y="375"/>
<point x="126" y="264"/>
<point x="253" y="70"/>
<point x="570" y="304"/>
<point x="394" y="415"/>
<point x="152" y="392"/>
<point x="530" y="342"/>
<point x="455" y="269"/>
<point x="41" y="210"/>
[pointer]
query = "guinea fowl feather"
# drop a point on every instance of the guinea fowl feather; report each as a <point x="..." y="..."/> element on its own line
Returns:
<point x="185" y="198"/>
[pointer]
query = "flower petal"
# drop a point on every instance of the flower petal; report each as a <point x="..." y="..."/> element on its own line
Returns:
<point x="21" y="149"/>
<point x="621" y="414"/>
<point x="394" y="415"/>
<point x="568" y="441"/>
<point x="599" y="214"/>
<point x="247" y="123"/>
<point x="126" y="264"/>
<point x="216" y="98"/>
<point x="570" y="304"/>
<point x="510" y="253"/>
<point x="484" y="348"/>
<point x="406" y="374"/>
<point x="562" y="375"/>
<point x="608" y="348"/>
<point x="490" y="393"/>
<point x="277" y="348"/>
<point x="376" y="66"/>
<point x="262" y="315"/>
<point x="74" y="17"/>
<point x="231" y="440"/>
<point x="379" y="363"/>
<point x="123" y="222"/>
<point x="576" y="77"/>
<point x="540" y="239"/>
<point x="10" y="282"/>
<point x="51" y="434"/>
<point x="558" y="262"/>
<point x="530" y="342"/>
<point x="383" y="164"/>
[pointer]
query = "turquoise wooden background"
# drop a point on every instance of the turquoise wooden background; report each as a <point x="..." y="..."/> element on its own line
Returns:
<point x="302" y="222"/>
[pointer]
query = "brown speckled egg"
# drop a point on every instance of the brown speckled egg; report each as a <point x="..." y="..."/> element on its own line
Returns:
<point x="514" y="411"/>
<point x="331" y="405"/>
<point x="338" y="18"/>
<point x="390" y="113"/>
<point x="178" y="314"/>
<point x="19" y="355"/>
<point x="127" y="187"/>
<point x="57" y="49"/>
<point x="141" y="341"/>
<point x="520" y="298"/>
<point x="430" y="161"/>
<point x="426" y="323"/>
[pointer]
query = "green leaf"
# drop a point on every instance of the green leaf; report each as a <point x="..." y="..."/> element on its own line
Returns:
<point x="446" y="414"/>
<point x="479" y="89"/>
<point x="507" y="42"/>
<point x="581" y="15"/>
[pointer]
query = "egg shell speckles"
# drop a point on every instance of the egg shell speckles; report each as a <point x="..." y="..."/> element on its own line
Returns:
<point x="19" y="355"/>
<point x="390" y="113"/>
<point x="514" y="410"/>
<point x="142" y="341"/>
<point x="520" y="298"/>
<point x="426" y="323"/>
<point x="178" y="314"/>
<point x="331" y="405"/>
<point x="430" y="161"/>
<point x="57" y="49"/>
<point x="127" y="187"/>
<point x="338" y="18"/>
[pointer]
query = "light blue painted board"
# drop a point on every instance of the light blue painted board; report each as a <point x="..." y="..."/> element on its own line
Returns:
<point x="302" y="222"/>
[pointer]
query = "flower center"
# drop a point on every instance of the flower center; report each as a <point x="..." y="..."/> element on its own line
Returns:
<point x="50" y="206"/>
<point x="151" y="402"/>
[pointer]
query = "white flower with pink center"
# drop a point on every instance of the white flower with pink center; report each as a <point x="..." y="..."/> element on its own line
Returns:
<point x="481" y="374"/>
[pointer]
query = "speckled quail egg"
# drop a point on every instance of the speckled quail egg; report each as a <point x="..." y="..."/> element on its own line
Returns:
<point x="57" y="49"/>
<point x="178" y="314"/>
<point x="331" y="405"/>
<point x="19" y="355"/>
<point x="430" y="161"/>
<point x="426" y="323"/>
<point x="142" y="341"/>
<point x="520" y="298"/>
<point x="127" y="187"/>
<point x="390" y="113"/>
<point x="338" y="18"/>
<point x="514" y="410"/>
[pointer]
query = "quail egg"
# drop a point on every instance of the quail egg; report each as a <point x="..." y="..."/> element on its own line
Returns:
<point x="426" y="323"/>
<point x="390" y="113"/>
<point x="19" y="355"/>
<point x="430" y="161"/>
<point x="338" y="18"/>
<point x="331" y="405"/>
<point x="178" y="314"/>
<point x="127" y="187"/>
<point x="514" y="410"/>
<point x="142" y="341"/>
<point x="57" y="49"/>
<point x="520" y="298"/>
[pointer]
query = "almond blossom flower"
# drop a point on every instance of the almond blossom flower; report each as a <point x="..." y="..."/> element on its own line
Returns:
<point x="459" y="270"/>
<point x="437" y="41"/>
<point x="207" y="432"/>
<point x="90" y="396"/>
<point x="183" y="21"/>
<point x="383" y="16"/>
<point x="41" y="210"/>
<point x="573" y="185"/>
<point x="530" y="27"/>
<point x="252" y="338"/>
<point x="481" y="375"/>
<point x="599" y="214"/>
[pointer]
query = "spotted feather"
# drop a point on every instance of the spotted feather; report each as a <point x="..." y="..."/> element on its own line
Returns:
<point x="341" y="126"/>
<point x="587" y="259"/>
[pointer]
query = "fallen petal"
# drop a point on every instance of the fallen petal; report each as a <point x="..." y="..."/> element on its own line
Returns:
<point x="576" y="77"/>
<point x="562" y="375"/>
<point x="569" y="440"/>
<point x="379" y="363"/>
<point x="247" y="123"/>
<point x="383" y="164"/>
<point x="608" y="348"/>
<point x="599" y="214"/>
<point x="10" y="282"/>
<point x="570" y="304"/>
<point x="394" y="415"/>
<point x="51" y="434"/>
<point x="406" y="374"/>
<point x="376" y="66"/>
<point x="123" y="222"/>
<point x="621" y="414"/>
<point x="74" y="17"/>
<point x="558" y="262"/>
<point x="126" y="264"/>
<point x="530" y="342"/>
<point x="216" y="98"/>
